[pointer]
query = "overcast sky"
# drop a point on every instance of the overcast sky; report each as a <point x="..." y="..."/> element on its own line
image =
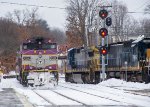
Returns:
<point x="56" y="17"/>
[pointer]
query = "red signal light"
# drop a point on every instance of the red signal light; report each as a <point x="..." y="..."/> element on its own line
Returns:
<point x="103" y="13"/>
<point x="103" y="50"/>
<point x="103" y="32"/>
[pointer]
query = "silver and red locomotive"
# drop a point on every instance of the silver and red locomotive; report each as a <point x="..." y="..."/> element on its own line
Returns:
<point x="37" y="62"/>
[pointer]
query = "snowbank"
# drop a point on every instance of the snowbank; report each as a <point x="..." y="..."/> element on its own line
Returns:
<point x="126" y="85"/>
<point x="12" y="73"/>
<point x="10" y="83"/>
<point x="0" y="88"/>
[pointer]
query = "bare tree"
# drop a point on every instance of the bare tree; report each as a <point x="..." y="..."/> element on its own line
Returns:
<point x="145" y="26"/>
<point x="58" y="35"/>
<point x="147" y="9"/>
<point x="8" y="35"/>
<point x="119" y="16"/>
<point x="79" y="18"/>
<point x="29" y="23"/>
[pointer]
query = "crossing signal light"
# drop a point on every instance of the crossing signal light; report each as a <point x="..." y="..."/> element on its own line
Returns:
<point x="108" y="21"/>
<point x="103" y="13"/>
<point x="103" y="50"/>
<point x="103" y="32"/>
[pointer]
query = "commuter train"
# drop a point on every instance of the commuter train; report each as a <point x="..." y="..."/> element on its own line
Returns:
<point x="128" y="60"/>
<point x="37" y="62"/>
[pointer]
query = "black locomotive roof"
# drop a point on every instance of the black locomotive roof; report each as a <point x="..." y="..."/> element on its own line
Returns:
<point x="121" y="43"/>
<point x="131" y="42"/>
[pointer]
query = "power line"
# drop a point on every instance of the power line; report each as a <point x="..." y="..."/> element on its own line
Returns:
<point x="143" y="4"/>
<point x="136" y="12"/>
<point x="41" y="6"/>
<point x="30" y="5"/>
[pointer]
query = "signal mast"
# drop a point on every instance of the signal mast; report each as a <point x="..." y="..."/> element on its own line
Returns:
<point x="103" y="32"/>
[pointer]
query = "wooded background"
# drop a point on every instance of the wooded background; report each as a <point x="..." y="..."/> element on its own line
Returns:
<point x="83" y="15"/>
<point x="82" y="26"/>
<point x="19" y="26"/>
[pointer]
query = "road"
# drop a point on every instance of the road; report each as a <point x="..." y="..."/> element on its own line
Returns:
<point x="9" y="98"/>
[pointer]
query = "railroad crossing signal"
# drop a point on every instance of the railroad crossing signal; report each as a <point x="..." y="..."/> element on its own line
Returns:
<point x="103" y="13"/>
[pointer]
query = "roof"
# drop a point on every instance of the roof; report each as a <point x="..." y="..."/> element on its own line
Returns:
<point x="138" y="39"/>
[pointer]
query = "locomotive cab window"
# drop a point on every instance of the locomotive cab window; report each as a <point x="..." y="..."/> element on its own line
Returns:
<point x="39" y="46"/>
<point x="28" y="46"/>
<point x="49" y="46"/>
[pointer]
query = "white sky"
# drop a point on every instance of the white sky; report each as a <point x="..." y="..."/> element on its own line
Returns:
<point x="56" y="17"/>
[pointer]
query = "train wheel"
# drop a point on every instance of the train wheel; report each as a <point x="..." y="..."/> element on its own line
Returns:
<point x="20" y="81"/>
<point x="31" y="85"/>
<point x="55" y="79"/>
<point x="97" y="77"/>
<point x="83" y="77"/>
<point x="92" y="76"/>
<point x="66" y="77"/>
<point x="86" y="78"/>
<point x="70" y="78"/>
<point x="147" y="78"/>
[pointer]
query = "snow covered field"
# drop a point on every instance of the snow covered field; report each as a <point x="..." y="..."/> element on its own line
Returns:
<point x="112" y="92"/>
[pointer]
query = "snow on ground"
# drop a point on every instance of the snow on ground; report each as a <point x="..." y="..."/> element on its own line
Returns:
<point x="86" y="98"/>
<point x="125" y="85"/>
<point x="111" y="93"/>
<point x="55" y="98"/>
<point x="32" y="97"/>
<point x="10" y="83"/>
<point x="11" y="73"/>
<point x="27" y="92"/>
<point x="101" y="89"/>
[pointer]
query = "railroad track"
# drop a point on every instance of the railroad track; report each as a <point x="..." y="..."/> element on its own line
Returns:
<point x="83" y="104"/>
<point x="92" y="94"/>
<point x="74" y="87"/>
<point x="128" y="91"/>
<point x="95" y="88"/>
<point x="50" y="103"/>
<point x="125" y="91"/>
<point x="70" y="98"/>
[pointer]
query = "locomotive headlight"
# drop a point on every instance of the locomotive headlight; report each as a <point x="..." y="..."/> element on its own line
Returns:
<point x="31" y="67"/>
<point x="50" y="67"/>
<point x="40" y="55"/>
<point x="27" y="58"/>
<point x="52" y="58"/>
